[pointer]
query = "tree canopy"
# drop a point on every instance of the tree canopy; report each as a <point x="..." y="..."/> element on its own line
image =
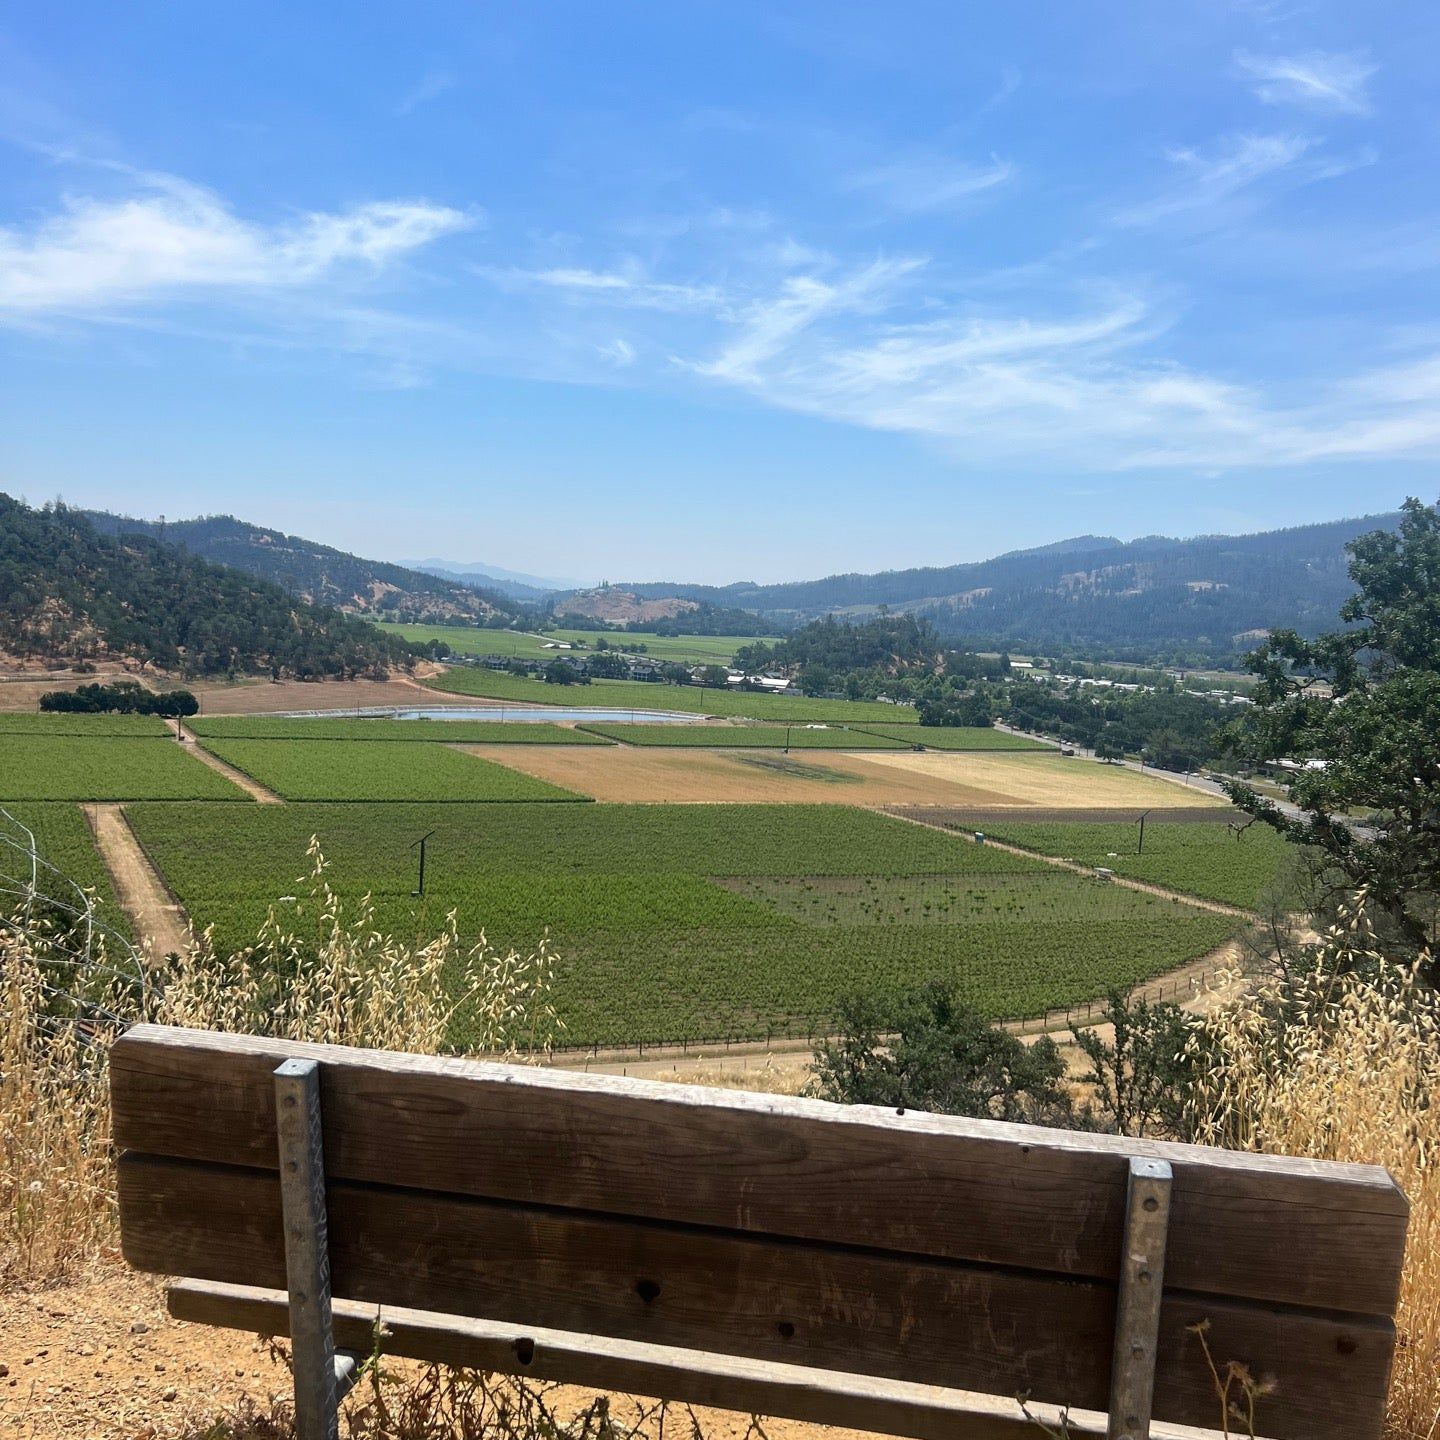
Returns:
<point x="1358" y="712"/>
<point x="69" y="592"/>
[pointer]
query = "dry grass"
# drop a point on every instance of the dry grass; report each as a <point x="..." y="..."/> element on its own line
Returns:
<point x="651" y="775"/>
<point x="1345" y="1065"/>
<point x="1035" y="779"/>
<point x="63" y="1003"/>
<point x="971" y="781"/>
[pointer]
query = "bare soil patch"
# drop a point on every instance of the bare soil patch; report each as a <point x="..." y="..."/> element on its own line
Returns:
<point x="626" y="775"/>
<point x="260" y="697"/>
<point x="158" y="922"/>
<point x="101" y="1359"/>
<point x="22" y="683"/>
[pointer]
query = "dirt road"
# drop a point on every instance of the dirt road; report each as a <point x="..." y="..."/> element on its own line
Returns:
<point x="157" y="921"/>
<point x="251" y="787"/>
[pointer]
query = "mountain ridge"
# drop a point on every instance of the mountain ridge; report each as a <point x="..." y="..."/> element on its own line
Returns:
<point x="71" y="591"/>
<point x="317" y="573"/>
<point x="1193" y="599"/>
<point x="517" y="582"/>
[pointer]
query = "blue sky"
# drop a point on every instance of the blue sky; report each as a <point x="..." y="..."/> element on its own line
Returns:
<point x="721" y="291"/>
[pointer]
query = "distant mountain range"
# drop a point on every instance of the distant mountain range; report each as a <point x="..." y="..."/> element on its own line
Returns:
<point x="318" y="573"/>
<point x="1153" y="598"/>
<point x="514" y="583"/>
<point x="1187" y="600"/>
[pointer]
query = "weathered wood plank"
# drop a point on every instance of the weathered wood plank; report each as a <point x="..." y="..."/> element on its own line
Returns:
<point x="1268" y="1228"/>
<point x="791" y="1392"/>
<point x="904" y="1317"/>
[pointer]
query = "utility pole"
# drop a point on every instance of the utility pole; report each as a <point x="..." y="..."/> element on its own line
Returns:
<point x="420" y="844"/>
<point x="787" y="739"/>
<point x="1140" y="849"/>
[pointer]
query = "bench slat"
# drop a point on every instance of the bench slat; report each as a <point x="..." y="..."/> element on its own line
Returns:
<point x="904" y="1317"/>
<point x="791" y="1392"/>
<point x="1262" y="1227"/>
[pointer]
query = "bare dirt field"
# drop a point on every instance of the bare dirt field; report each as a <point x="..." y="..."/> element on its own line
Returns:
<point x="956" y="781"/>
<point x="698" y="777"/>
<point x="22" y="684"/>
<point x="24" y="694"/>
<point x="260" y="697"/>
<point x="21" y="688"/>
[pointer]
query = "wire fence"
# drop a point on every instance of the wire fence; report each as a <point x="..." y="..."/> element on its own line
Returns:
<point x="87" y="965"/>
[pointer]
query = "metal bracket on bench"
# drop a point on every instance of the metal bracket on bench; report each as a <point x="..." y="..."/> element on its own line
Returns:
<point x="1137" y="1310"/>
<point x="322" y="1378"/>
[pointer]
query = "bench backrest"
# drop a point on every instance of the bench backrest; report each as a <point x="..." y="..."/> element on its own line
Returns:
<point x="970" y="1254"/>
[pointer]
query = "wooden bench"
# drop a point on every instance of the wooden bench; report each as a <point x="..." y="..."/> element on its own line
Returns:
<point x="898" y="1272"/>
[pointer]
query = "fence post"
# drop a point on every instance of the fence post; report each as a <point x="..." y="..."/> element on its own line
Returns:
<point x="321" y="1376"/>
<point x="1137" y="1311"/>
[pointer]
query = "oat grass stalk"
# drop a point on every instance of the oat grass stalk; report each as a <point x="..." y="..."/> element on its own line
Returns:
<point x="319" y="970"/>
<point x="1344" y="1064"/>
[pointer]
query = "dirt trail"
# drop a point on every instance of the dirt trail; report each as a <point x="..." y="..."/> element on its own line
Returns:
<point x="253" y="788"/>
<point x="158" y="922"/>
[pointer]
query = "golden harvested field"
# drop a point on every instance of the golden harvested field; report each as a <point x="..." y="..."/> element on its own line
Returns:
<point x="693" y="777"/>
<point x="698" y="777"/>
<point x="1049" y="780"/>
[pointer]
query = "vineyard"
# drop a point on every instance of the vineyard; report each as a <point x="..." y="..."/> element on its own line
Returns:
<point x="683" y="649"/>
<point x="957" y="737"/>
<point x="774" y="737"/>
<point x="644" y="695"/>
<point x="383" y="727"/>
<point x="63" y="838"/>
<point x="94" y="726"/>
<point x="342" y="770"/>
<point x="696" y="922"/>
<point x="65" y="767"/>
<point x="1208" y="860"/>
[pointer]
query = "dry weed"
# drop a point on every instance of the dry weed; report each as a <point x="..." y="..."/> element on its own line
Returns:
<point x="65" y="1000"/>
<point x="1344" y="1064"/>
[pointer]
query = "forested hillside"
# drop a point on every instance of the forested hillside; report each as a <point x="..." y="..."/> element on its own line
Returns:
<point x="69" y="592"/>
<point x="1151" y="599"/>
<point x="318" y="573"/>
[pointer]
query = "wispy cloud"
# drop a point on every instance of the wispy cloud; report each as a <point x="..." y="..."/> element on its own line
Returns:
<point x="619" y="352"/>
<point x="1010" y="78"/>
<point x="1314" y="79"/>
<point x="630" y="287"/>
<point x="927" y="183"/>
<point x="1209" y="186"/>
<point x="430" y="86"/>
<point x="1093" y="388"/>
<point x="172" y="237"/>
<point x="769" y="327"/>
